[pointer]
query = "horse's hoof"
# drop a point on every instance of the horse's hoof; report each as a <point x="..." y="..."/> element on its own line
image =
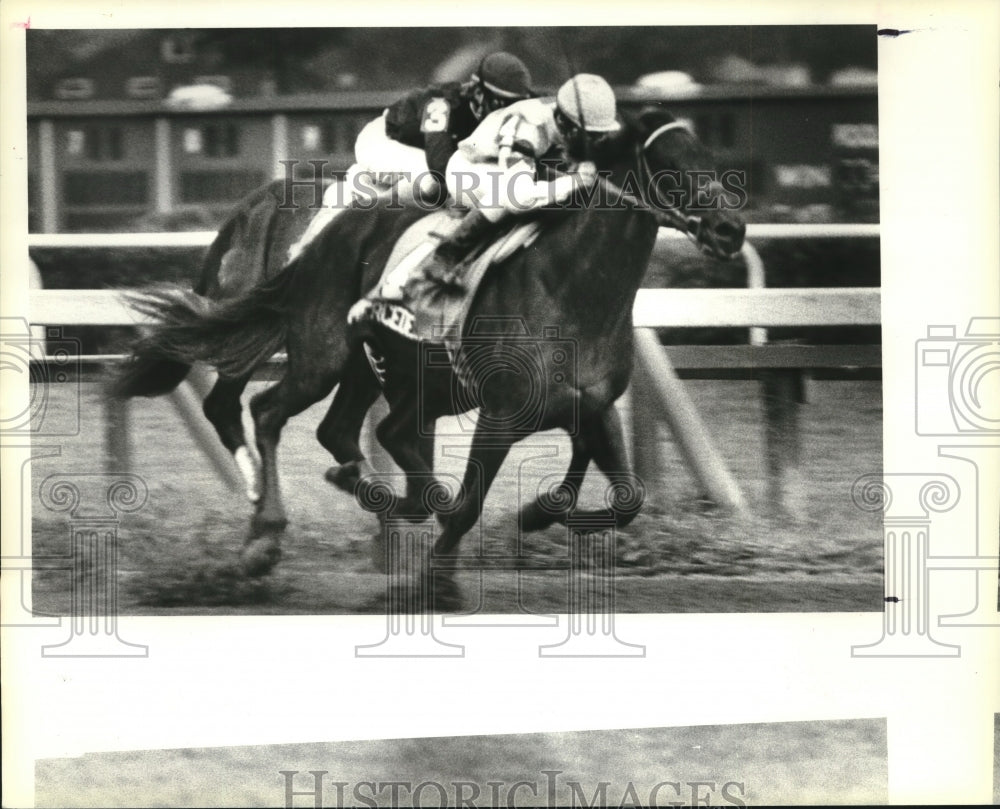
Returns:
<point x="535" y="518"/>
<point x="260" y="556"/>
<point x="344" y="477"/>
<point x="262" y="525"/>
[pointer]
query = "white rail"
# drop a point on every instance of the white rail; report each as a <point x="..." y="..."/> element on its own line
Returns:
<point x="654" y="308"/>
<point x="202" y="238"/>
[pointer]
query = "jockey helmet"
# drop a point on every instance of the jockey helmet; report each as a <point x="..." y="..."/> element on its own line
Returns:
<point x="588" y="102"/>
<point x="501" y="80"/>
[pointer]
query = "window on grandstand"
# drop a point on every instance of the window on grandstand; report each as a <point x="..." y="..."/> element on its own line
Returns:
<point x="212" y="140"/>
<point x="76" y="139"/>
<point x="311" y="137"/>
<point x="96" y="143"/>
<point x="340" y="132"/>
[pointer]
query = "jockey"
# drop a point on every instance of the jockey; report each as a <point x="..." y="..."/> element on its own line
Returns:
<point x="495" y="171"/>
<point x="415" y="137"/>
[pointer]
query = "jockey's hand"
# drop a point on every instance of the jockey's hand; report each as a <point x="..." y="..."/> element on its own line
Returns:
<point x="586" y="171"/>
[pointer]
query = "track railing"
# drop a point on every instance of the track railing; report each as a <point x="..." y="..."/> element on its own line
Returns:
<point x="657" y="394"/>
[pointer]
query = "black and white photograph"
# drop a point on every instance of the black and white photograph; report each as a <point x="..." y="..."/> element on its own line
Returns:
<point x="484" y="407"/>
<point x="742" y="444"/>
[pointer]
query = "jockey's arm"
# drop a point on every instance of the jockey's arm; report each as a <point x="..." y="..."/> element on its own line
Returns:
<point x="537" y="180"/>
<point x="438" y="147"/>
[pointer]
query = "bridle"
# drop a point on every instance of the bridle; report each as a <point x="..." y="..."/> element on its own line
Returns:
<point x="673" y="216"/>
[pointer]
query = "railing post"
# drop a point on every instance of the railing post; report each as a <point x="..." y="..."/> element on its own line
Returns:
<point x="48" y="176"/>
<point x="186" y="403"/>
<point x="782" y="391"/>
<point x="163" y="175"/>
<point x="117" y="435"/>
<point x="756" y="279"/>
<point x="648" y="460"/>
<point x="686" y="425"/>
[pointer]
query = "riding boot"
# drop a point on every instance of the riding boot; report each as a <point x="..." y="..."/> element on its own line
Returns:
<point x="453" y="249"/>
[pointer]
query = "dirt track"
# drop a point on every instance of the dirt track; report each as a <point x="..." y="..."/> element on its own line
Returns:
<point x="179" y="552"/>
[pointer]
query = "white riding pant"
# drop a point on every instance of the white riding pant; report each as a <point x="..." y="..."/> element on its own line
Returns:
<point x="380" y="163"/>
<point x="498" y="191"/>
<point x="388" y="163"/>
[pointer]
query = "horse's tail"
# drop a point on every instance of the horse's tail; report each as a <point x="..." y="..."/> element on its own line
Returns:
<point x="148" y="375"/>
<point x="151" y="371"/>
<point x="234" y="335"/>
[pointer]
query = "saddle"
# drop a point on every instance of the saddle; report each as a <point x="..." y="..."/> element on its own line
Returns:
<point x="422" y="308"/>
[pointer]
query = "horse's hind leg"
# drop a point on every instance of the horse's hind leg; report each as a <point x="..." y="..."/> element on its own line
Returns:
<point x="271" y="409"/>
<point x="556" y="504"/>
<point x="340" y="430"/>
<point x="222" y="408"/>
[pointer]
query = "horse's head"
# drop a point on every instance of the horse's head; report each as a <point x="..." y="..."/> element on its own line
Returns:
<point x="678" y="179"/>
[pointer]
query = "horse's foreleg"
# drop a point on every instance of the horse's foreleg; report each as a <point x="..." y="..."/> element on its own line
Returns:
<point x="222" y="408"/>
<point x="555" y="505"/>
<point x="340" y="430"/>
<point x="606" y="441"/>
<point x="486" y="456"/>
<point x="410" y="443"/>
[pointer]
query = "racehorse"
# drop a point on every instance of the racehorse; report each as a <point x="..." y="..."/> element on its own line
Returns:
<point x="589" y="262"/>
<point x="572" y="292"/>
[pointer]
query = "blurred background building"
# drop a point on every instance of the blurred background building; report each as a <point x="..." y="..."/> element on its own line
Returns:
<point x="128" y="127"/>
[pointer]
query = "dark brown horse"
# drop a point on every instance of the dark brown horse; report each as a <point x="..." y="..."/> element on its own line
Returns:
<point x="547" y="344"/>
<point x="580" y="277"/>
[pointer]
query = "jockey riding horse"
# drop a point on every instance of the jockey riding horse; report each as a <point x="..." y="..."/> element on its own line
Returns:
<point x="506" y="166"/>
<point x="407" y="148"/>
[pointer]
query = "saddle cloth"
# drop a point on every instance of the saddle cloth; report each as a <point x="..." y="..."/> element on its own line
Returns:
<point x="420" y="308"/>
